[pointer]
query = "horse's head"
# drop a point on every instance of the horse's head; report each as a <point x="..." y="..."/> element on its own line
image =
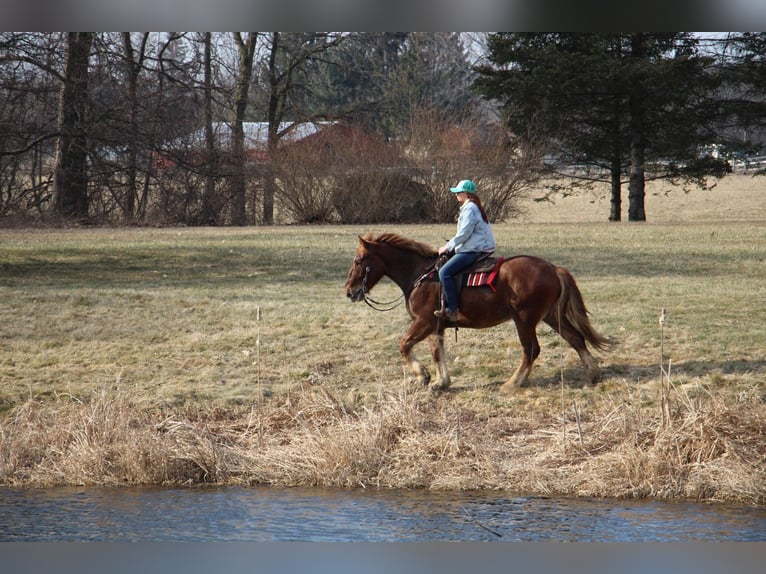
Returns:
<point x="367" y="269"/>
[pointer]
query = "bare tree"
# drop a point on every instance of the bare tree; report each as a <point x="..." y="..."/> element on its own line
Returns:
<point x="134" y="63"/>
<point x="177" y="132"/>
<point x="444" y="149"/>
<point x="30" y="88"/>
<point x="71" y="175"/>
<point x="286" y="71"/>
<point x="246" y="51"/>
<point x="208" y="194"/>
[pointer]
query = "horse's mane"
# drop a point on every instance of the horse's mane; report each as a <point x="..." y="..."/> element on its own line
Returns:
<point x="396" y="240"/>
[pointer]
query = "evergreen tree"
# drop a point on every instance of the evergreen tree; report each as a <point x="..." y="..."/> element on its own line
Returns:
<point x="432" y="73"/>
<point x="378" y="80"/>
<point x="351" y="82"/>
<point x="622" y="103"/>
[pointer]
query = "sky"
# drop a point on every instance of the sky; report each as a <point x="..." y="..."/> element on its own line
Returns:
<point x="385" y="15"/>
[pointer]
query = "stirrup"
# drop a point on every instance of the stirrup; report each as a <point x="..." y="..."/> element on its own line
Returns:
<point x="447" y="314"/>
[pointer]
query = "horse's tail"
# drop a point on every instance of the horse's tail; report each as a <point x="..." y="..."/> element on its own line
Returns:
<point x="572" y="306"/>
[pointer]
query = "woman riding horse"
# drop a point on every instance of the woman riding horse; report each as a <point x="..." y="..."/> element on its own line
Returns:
<point x="473" y="238"/>
<point x="526" y="290"/>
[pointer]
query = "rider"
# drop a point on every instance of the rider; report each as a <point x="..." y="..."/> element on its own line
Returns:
<point x="473" y="238"/>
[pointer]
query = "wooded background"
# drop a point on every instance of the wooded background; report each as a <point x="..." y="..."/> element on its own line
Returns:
<point x="213" y="128"/>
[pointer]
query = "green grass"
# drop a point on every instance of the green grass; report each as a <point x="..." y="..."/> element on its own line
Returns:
<point x="172" y="313"/>
<point x="135" y="355"/>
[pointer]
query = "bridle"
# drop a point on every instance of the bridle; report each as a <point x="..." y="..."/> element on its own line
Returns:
<point x="378" y="305"/>
<point x="394" y="303"/>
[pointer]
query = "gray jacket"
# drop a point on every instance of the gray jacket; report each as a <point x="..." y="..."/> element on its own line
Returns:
<point x="473" y="233"/>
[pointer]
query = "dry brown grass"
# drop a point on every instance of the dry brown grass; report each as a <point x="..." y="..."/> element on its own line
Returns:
<point x="132" y="357"/>
<point x="737" y="197"/>
<point x="314" y="437"/>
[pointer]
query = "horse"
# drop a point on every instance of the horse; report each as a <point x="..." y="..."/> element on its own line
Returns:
<point x="526" y="290"/>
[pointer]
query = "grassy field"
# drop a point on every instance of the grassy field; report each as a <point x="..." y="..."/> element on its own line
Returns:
<point x="172" y="356"/>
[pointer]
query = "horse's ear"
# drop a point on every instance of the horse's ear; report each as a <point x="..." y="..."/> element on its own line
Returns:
<point x="363" y="242"/>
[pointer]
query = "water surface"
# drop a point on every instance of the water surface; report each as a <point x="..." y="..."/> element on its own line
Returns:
<point x="262" y="514"/>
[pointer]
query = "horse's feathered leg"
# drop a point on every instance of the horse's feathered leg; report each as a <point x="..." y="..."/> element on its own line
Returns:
<point x="437" y="352"/>
<point x="567" y="331"/>
<point x="530" y="348"/>
<point x="419" y="330"/>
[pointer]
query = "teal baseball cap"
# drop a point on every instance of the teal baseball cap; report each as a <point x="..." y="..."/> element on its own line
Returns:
<point x="464" y="186"/>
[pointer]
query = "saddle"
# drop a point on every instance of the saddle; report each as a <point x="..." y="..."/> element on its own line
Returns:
<point x="482" y="272"/>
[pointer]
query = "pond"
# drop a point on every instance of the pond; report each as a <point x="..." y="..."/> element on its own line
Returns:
<point x="262" y="514"/>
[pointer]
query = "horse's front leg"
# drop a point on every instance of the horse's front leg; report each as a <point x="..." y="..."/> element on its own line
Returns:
<point x="419" y="330"/>
<point x="437" y="352"/>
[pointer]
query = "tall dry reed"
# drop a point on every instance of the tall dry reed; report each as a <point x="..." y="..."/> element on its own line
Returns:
<point x="713" y="451"/>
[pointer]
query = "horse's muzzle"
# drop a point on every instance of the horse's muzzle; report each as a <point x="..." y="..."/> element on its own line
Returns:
<point x="355" y="295"/>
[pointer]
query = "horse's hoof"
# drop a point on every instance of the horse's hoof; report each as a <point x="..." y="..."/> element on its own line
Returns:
<point x="592" y="380"/>
<point x="421" y="381"/>
<point x="439" y="386"/>
<point x="510" y="387"/>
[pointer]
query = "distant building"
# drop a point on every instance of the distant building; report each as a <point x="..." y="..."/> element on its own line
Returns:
<point x="321" y="137"/>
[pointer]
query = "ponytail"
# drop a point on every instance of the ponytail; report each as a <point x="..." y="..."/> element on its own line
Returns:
<point x="472" y="197"/>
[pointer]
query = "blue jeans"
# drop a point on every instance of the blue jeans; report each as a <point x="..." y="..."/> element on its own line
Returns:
<point x="452" y="267"/>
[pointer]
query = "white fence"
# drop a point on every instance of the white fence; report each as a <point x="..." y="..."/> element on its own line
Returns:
<point x="749" y="163"/>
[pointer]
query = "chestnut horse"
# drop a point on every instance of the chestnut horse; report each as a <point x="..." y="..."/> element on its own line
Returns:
<point x="527" y="290"/>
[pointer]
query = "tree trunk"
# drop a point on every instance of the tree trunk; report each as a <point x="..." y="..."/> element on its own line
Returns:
<point x="71" y="172"/>
<point x="637" y="141"/>
<point x="133" y="68"/>
<point x="269" y="186"/>
<point x="273" y="117"/>
<point x="238" y="182"/>
<point x="615" y="163"/>
<point x="209" y="214"/>
<point x="615" y="212"/>
<point x="636" y="185"/>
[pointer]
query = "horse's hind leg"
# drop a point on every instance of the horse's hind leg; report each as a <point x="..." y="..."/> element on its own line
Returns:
<point x="572" y="336"/>
<point x="530" y="349"/>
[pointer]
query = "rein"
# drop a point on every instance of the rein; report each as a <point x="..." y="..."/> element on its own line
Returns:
<point x="394" y="303"/>
<point x="378" y="305"/>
